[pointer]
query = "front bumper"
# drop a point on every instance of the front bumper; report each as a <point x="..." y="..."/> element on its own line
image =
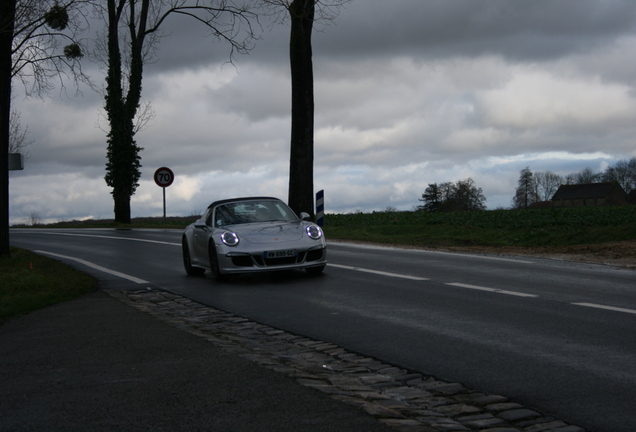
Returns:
<point x="246" y="262"/>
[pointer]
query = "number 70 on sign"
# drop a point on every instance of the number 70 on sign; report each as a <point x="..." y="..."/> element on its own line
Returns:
<point x="164" y="177"/>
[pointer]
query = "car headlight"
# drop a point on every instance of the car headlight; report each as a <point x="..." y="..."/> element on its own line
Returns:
<point x="314" y="232"/>
<point x="230" y="238"/>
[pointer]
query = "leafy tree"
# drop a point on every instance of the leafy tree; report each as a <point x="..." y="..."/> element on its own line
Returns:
<point x="302" y="14"/>
<point x="469" y="197"/>
<point x="432" y="198"/>
<point x="526" y="192"/>
<point x="32" y="33"/>
<point x="133" y="29"/>
<point x="448" y="197"/>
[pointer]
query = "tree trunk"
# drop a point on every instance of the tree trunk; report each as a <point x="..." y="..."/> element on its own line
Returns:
<point x="123" y="160"/>
<point x="7" y="18"/>
<point x="122" y="207"/>
<point x="301" y="166"/>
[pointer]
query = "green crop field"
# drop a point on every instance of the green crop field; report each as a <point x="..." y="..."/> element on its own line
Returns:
<point x="538" y="227"/>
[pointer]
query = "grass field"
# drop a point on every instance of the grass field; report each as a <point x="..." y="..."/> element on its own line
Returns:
<point x="539" y="227"/>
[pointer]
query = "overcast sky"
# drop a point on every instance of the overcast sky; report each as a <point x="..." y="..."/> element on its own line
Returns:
<point x="408" y="92"/>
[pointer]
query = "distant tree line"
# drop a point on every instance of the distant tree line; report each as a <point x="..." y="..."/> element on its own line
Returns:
<point x="540" y="186"/>
<point x="449" y="196"/>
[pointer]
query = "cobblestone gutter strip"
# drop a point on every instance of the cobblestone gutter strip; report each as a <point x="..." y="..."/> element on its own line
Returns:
<point x="408" y="401"/>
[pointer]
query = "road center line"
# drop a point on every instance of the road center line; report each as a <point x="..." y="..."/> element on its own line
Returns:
<point x="494" y="290"/>
<point x="96" y="267"/>
<point x="612" y="308"/>
<point x="378" y="272"/>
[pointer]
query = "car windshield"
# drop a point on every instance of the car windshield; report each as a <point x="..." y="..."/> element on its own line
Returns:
<point x="242" y="212"/>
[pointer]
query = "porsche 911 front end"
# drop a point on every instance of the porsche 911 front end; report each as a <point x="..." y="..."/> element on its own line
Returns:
<point x="271" y="246"/>
<point x="245" y="235"/>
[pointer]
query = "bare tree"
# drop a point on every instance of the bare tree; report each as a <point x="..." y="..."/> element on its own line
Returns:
<point x="624" y="172"/>
<point x="18" y="134"/>
<point x="133" y="30"/>
<point x="585" y="176"/>
<point x="46" y="43"/>
<point x="302" y="14"/>
<point x="546" y="184"/>
<point x="38" y="43"/>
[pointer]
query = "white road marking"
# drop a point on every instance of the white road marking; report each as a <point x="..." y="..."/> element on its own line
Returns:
<point x="96" y="267"/>
<point x="378" y="272"/>
<point x="426" y="251"/>
<point x="106" y="237"/>
<point x="612" y="308"/>
<point x="494" y="290"/>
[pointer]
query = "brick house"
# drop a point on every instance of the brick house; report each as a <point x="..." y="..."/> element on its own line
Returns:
<point x="592" y="194"/>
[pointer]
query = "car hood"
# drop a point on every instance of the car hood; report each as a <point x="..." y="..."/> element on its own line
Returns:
<point x="271" y="232"/>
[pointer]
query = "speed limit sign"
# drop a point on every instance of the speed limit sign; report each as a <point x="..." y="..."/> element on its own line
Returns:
<point x="164" y="177"/>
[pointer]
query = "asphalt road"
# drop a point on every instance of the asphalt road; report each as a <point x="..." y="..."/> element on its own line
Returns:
<point x="553" y="336"/>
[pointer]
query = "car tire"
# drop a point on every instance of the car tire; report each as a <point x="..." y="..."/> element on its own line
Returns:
<point x="187" y="260"/>
<point x="214" y="264"/>
<point x="314" y="270"/>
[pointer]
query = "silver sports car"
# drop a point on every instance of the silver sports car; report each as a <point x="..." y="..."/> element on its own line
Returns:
<point x="243" y="235"/>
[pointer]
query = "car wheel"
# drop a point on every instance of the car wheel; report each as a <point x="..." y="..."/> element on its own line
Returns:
<point x="187" y="261"/>
<point x="214" y="264"/>
<point x="314" y="270"/>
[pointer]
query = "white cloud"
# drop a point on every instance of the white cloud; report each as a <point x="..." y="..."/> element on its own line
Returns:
<point x="538" y="99"/>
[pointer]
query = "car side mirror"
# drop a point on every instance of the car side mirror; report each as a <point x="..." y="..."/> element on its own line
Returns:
<point x="305" y="216"/>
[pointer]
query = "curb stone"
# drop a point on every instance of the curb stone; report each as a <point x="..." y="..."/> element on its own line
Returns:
<point x="407" y="401"/>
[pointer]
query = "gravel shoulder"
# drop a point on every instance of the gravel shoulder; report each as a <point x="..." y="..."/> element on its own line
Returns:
<point x="618" y="254"/>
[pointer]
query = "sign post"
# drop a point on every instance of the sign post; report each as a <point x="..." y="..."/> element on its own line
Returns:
<point x="164" y="178"/>
<point x="320" y="208"/>
<point x="16" y="161"/>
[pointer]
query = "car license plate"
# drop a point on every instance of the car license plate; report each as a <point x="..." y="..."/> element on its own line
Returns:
<point x="280" y="253"/>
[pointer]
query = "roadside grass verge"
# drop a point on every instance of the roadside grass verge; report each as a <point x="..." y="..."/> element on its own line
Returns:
<point x="29" y="282"/>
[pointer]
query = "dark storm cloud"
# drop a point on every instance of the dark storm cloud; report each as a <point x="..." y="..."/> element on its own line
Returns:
<point x="525" y="29"/>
